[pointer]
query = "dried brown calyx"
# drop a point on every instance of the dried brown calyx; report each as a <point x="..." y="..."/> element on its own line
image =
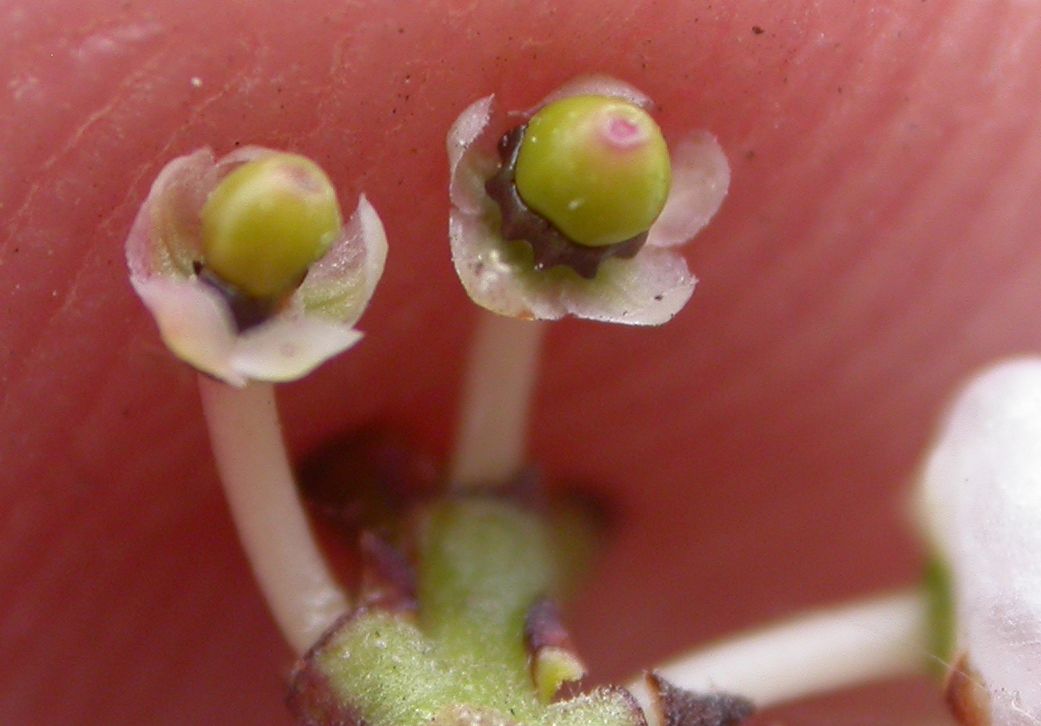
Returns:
<point x="679" y="707"/>
<point x="966" y="696"/>
<point x="550" y="247"/>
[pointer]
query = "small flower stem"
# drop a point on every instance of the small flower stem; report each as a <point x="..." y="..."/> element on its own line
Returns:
<point x="821" y="651"/>
<point x="497" y="390"/>
<point x="246" y="438"/>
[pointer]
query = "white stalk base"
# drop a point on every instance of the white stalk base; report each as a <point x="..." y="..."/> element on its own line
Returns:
<point x="814" y="653"/>
<point x="493" y="419"/>
<point x="246" y="437"/>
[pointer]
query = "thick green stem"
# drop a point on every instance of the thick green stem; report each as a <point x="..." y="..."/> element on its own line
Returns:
<point x="466" y="660"/>
<point x="484" y="565"/>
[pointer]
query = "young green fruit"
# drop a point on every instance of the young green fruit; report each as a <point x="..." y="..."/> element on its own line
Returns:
<point x="596" y="167"/>
<point x="267" y="222"/>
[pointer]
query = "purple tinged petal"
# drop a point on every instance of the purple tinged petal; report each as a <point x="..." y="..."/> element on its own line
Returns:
<point x="286" y="348"/>
<point x="165" y="237"/>
<point x="194" y="322"/>
<point x="646" y="290"/>
<point x="242" y="155"/>
<point x="164" y="247"/>
<point x="598" y="85"/>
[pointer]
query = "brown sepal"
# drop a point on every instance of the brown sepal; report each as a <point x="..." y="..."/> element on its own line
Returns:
<point x="388" y="581"/>
<point x="553" y="660"/>
<point x="966" y="696"/>
<point x="679" y="707"/>
<point x="550" y="246"/>
<point x="543" y="628"/>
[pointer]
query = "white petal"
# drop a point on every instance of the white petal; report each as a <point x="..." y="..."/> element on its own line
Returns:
<point x="466" y="185"/>
<point x="982" y="486"/>
<point x="646" y="290"/>
<point x="242" y="155"/>
<point x="340" y="285"/>
<point x="700" y="179"/>
<point x="598" y="85"/>
<point x="286" y="348"/>
<point x="194" y="322"/>
<point x="164" y="239"/>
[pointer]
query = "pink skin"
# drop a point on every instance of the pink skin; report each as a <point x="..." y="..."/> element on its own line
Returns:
<point x="879" y="242"/>
<point x="622" y="133"/>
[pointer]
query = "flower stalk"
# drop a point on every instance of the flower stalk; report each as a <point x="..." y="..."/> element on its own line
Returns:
<point x="815" y="653"/>
<point x="302" y="593"/>
<point x="499" y="380"/>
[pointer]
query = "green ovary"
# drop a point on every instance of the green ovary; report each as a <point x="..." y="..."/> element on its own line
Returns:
<point x="597" y="168"/>
<point x="267" y="222"/>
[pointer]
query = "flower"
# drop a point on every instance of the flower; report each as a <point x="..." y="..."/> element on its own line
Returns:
<point x="630" y="285"/>
<point x="280" y="331"/>
<point x="982" y="500"/>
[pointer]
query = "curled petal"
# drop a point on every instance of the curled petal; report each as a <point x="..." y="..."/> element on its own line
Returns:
<point x="286" y="348"/>
<point x="242" y="155"/>
<point x="194" y="322"/>
<point x="467" y="180"/>
<point x="196" y="325"/>
<point x="340" y="285"/>
<point x="982" y="488"/>
<point x="700" y="179"/>
<point x="646" y="290"/>
<point x="165" y="237"/>
<point x="164" y="253"/>
<point x="598" y="85"/>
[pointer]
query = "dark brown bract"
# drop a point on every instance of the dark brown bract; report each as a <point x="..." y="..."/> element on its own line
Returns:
<point x="550" y="247"/>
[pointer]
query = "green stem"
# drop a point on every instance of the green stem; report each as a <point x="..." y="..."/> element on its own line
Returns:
<point x="483" y="563"/>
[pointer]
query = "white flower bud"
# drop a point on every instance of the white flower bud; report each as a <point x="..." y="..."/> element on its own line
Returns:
<point x="982" y="494"/>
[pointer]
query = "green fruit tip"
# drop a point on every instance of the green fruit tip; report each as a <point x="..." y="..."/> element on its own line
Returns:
<point x="595" y="167"/>
<point x="267" y="222"/>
